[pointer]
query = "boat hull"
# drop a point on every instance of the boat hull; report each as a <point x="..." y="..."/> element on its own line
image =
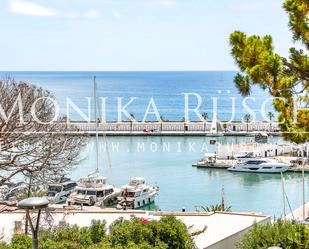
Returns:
<point x="265" y="169"/>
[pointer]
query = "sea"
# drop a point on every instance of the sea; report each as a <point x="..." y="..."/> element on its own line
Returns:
<point x="169" y="92"/>
<point x="167" y="161"/>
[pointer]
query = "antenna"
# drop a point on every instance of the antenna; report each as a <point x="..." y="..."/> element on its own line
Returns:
<point x="96" y="124"/>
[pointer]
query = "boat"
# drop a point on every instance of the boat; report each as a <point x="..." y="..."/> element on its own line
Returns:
<point x="136" y="194"/>
<point x="208" y="160"/>
<point x="93" y="189"/>
<point x="59" y="192"/>
<point x="259" y="165"/>
<point x="261" y="138"/>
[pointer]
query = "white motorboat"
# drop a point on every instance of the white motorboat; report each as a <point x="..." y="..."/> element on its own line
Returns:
<point x="259" y="165"/>
<point x="94" y="190"/>
<point x="136" y="194"/>
<point x="59" y="192"/>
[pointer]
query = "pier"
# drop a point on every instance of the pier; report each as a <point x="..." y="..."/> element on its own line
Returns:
<point x="171" y="128"/>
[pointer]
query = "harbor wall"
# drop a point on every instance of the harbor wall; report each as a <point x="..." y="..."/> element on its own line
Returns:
<point x="127" y="126"/>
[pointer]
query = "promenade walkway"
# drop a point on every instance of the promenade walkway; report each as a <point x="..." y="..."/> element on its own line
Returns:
<point x="127" y="128"/>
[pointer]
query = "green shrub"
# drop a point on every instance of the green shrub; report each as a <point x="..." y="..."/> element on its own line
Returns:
<point x="70" y="237"/>
<point x="97" y="231"/>
<point x="287" y="235"/>
<point x="167" y="233"/>
<point x="19" y="241"/>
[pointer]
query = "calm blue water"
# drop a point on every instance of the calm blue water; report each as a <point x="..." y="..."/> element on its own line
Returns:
<point x="166" y="88"/>
<point x="180" y="183"/>
<point x="183" y="185"/>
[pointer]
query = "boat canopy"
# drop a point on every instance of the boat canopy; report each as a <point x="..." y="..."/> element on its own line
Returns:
<point x="92" y="181"/>
<point x="136" y="181"/>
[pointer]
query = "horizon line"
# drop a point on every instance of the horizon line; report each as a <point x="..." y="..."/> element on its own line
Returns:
<point x="107" y="71"/>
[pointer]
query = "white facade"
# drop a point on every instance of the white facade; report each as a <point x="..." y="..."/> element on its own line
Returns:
<point x="227" y="151"/>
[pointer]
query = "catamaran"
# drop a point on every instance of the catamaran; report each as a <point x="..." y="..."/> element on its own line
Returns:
<point x="93" y="189"/>
<point x="259" y="165"/>
<point x="136" y="194"/>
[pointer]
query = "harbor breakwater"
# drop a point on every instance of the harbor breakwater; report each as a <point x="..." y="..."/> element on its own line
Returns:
<point x="171" y="128"/>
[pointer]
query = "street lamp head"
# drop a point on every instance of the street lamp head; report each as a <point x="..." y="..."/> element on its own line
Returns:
<point x="33" y="203"/>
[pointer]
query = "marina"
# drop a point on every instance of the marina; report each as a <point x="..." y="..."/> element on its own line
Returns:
<point x="164" y="163"/>
<point x="154" y="124"/>
<point x="167" y="162"/>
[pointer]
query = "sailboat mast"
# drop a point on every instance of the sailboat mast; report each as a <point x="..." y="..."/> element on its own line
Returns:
<point x="96" y="124"/>
<point x="283" y="196"/>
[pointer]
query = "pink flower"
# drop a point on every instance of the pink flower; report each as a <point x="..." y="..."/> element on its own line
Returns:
<point x="144" y="220"/>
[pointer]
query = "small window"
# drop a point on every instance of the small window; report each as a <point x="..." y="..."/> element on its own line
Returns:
<point x="138" y="203"/>
<point x="90" y="192"/>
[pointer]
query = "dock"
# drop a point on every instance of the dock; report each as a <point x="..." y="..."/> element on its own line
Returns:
<point x="225" y="164"/>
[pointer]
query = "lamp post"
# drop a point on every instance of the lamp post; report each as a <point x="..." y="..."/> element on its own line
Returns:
<point x="34" y="203"/>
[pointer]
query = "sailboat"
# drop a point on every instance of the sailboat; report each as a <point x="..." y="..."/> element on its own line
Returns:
<point x="93" y="189"/>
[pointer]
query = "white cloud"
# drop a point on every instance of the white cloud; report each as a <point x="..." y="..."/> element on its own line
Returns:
<point x="92" y="13"/>
<point x="116" y="14"/>
<point x="30" y="8"/>
<point x="242" y="7"/>
<point x="71" y="14"/>
<point x="167" y="2"/>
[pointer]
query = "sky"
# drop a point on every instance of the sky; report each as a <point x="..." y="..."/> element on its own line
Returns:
<point x="132" y="35"/>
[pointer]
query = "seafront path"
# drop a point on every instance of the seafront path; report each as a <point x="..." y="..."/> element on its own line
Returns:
<point x="172" y="128"/>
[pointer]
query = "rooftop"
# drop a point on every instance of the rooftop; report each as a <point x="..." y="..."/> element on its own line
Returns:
<point x="221" y="226"/>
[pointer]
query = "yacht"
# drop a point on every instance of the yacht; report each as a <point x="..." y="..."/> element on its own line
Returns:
<point x="94" y="190"/>
<point x="259" y="165"/>
<point x="58" y="192"/>
<point x="136" y="194"/>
